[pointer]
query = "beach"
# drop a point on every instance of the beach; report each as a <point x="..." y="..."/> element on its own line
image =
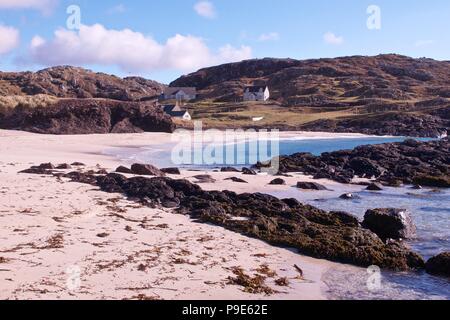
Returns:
<point x="64" y="240"/>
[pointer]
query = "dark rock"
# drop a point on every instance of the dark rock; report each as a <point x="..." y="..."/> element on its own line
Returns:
<point x="238" y="180"/>
<point x="146" y="170"/>
<point x="173" y="171"/>
<point x="374" y="187"/>
<point x="81" y="177"/>
<point x="204" y="178"/>
<point x="103" y="235"/>
<point x="43" y="169"/>
<point x="64" y="166"/>
<point x="417" y="187"/>
<point x="390" y="223"/>
<point x="392" y="164"/>
<point x="349" y="196"/>
<point x="439" y="265"/>
<point x="123" y="169"/>
<point x="47" y="166"/>
<point x="228" y="169"/>
<point x="365" y="168"/>
<point x="278" y="181"/>
<point x="310" y="186"/>
<point x="37" y="170"/>
<point x="248" y="171"/>
<point x="346" y="218"/>
<point x="78" y="164"/>
<point x="430" y="181"/>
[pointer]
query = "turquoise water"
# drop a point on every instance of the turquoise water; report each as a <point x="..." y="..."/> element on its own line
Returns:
<point x="162" y="155"/>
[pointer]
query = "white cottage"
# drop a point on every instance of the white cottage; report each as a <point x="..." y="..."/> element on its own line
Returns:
<point x="256" y="93"/>
<point x="175" y="111"/>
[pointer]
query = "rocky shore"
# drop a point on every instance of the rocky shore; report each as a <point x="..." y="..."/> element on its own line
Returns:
<point x="393" y="164"/>
<point x="335" y="236"/>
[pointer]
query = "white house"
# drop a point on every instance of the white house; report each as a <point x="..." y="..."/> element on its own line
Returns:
<point x="179" y="93"/>
<point x="176" y="112"/>
<point x="256" y="93"/>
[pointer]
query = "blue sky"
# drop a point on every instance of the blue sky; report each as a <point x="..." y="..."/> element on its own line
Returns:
<point x="212" y="32"/>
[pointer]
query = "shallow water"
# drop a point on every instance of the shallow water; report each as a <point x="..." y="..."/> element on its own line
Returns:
<point x="430" y="210"/>
<point x="161" y="155"/>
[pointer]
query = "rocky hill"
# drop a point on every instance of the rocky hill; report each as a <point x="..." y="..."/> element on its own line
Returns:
<point x="70" y="100"/>
<point x="385" y="94"/>
<point x="72" y="82"/>
<point x="322" y="82"/>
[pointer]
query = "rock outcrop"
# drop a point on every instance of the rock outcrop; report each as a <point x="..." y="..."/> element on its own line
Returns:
<point x="439" y="265"/>
<point x="335" y="236"/>
<point x="88" y="116"/>
<point x="409" y="162"/>
<point x="79" y="83"/>
<point x="390" y="223"/>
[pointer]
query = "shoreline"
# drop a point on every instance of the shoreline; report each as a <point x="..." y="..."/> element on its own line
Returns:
<point x="43" y="208"/>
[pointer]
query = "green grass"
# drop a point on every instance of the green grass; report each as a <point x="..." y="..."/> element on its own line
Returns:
<point x="224" y="115"/>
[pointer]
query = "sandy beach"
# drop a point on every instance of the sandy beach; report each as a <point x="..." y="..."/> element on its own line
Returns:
<point x="64" y="240"/>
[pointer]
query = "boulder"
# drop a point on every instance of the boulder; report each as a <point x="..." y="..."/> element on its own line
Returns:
<point x="310" y="186"/>
<point x="278" y="182"/>
<point x="78" y="164"/>
<point x="228" y="169"/>
<point x="238" y="180"/>
<point x="390" y="223"/>
<point x="123" y="169"/>
<point x="346" y="218"/>
<point x="47" y="166"/>
<point x="64" y="166"/>
<point x="349" y="196"/>
<point x="439" y="265"/>
<point x="374" y="187"/>
<point x="146" y="170"/>
<point x="204" y="178"/>
<point x="248" y="171"/>
<point x="173" y="171"/>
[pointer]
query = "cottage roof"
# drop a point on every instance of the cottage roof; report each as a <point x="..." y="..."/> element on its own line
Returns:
<point x="174" y="111"/>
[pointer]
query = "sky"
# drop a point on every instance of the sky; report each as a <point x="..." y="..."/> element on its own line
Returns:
<point x="163" y="39"/>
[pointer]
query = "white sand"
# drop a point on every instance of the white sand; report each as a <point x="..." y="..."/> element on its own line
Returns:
<point x="50" y="248"/>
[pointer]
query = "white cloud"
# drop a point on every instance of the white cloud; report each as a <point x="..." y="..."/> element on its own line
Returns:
<point x="423" y="43"/>
<point x="129" y="50"/>
<point x="9" y="39"/>
<point x="45" y="6"/>
<point x="271" y="36"/>
<point x="205" y="9"/>
<point x="331" y="38"/>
